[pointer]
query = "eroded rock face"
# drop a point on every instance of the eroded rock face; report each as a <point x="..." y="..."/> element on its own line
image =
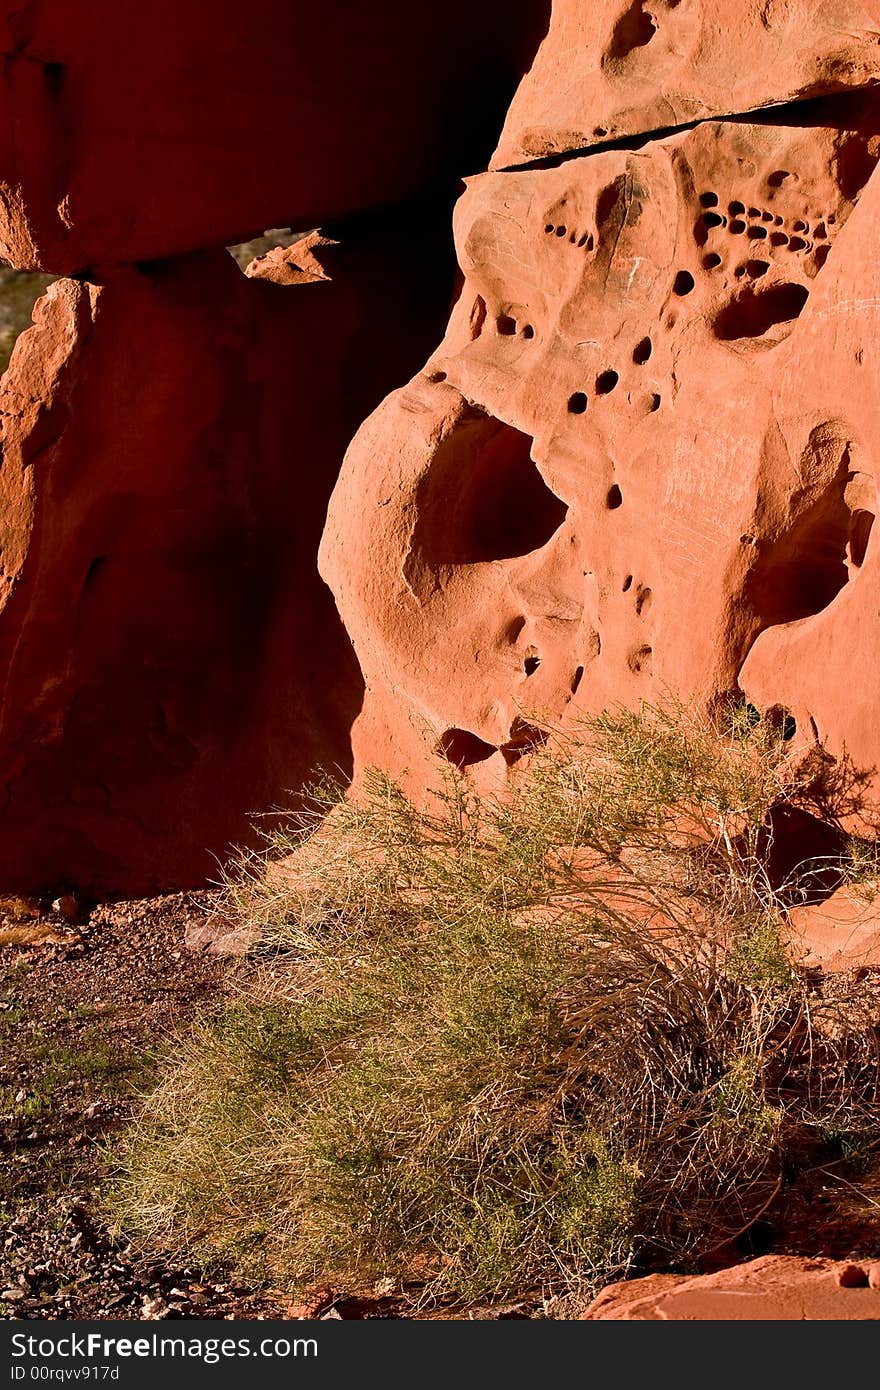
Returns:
<point x="138" y="131"/>
<point x="775" y="1288"/>
<point x="613" y="68"/>
<point x="172" y="664"/>
<point x="643" y="451"/>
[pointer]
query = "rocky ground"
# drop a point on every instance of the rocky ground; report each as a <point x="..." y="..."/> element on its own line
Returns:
<point x="86" y="1007"/>
<point x="87" y="1003"/>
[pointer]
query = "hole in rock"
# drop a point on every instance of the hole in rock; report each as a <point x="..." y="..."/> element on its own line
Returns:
<point x="797" y="243"/>
<point x="528" y="331"/>
<point x="755" y="311"/>
<point x="683" y="283"/>
<point x="778" y="239"/>
<point x="437" y="376"/>
<point x="505" y="325"/>
<point x="576" y="679"/>
<point x="634" y="29"/>
<point x="757" y="233"/>
<point x="821" y="256"/>
<point x="853" y="1277"/>
<point x="711" y="261"/>
<point x="614" y="498"/>
<point x="737" y="226"/>
<point x="531" y="664"/>
<point x="524" y="738"/>
<point x="560" y="231"/>
<point x="766" y="216"/>
<point x="639" y="661"/>
<point x="482" y="499"/>
<point x="643" y="600"/>
<point x="736" y="208"/>
<point x="709" y="200"/>
<point x="754" y="212"/>
<point x="704" y="225"/>
<point x="782" y="721"/>
<point x="549" y="228"/>
<point x="463" y="749"/>
<point x="626" y="583"/>
<point x="799" y="226"/>
<point x="653" y="402"/>
<point x="757" y="268"/>
<point x="804" y="857"/>
<point x="778" y="177"/>
<point x="861" y="523"/>
<point x="803" y="570"/>
<point x="577" y="403"/>
<point x="642" y="351"/>
<point x="605" y="382"/>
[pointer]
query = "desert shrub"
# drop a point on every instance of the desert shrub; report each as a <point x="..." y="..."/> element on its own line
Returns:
<point x="505" y="1044"/>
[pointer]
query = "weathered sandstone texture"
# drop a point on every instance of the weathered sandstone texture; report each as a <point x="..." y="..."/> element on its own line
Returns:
<point x="132" y="131"/>
<point x="642" y="461"/>
<point x="840" y="933"/>
<point x="775" y="1288"/>
<point x="172" y="665"/>
<point x="612" y="68"/>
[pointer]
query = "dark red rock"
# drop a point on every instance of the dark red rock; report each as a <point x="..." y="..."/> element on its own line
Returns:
<point x="172" y="665"/>
<point x="131" y="131"/>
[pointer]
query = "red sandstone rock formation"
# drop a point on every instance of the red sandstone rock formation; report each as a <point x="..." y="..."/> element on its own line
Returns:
<point x="841" y="933"/>
<point x="641" y="462"/>
<point x="172" y="664"/>
<point x="612" y="68"/>
<point x="776" y="1288"/>
<point x="131" y="131"/>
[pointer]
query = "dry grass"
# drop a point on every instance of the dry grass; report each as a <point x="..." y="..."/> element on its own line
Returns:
<point x="508" y="1045"/>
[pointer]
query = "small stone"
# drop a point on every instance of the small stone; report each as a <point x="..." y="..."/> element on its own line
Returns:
<point x="69" y="906"/>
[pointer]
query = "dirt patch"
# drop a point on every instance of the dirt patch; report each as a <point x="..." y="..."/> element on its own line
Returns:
<point x="85" y="1010"/>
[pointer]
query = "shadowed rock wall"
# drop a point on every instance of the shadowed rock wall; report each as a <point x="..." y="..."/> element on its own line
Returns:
<point x="171" y="665"/>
